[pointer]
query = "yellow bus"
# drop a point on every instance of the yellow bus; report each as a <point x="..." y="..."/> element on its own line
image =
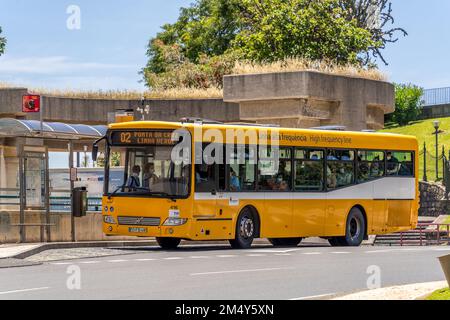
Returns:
<point x="338" y="185"/>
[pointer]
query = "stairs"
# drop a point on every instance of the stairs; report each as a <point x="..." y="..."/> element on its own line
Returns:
<point x="415" y="237"/>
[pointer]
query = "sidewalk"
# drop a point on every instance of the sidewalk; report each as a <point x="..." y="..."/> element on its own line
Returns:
<point x="416" y="291"/>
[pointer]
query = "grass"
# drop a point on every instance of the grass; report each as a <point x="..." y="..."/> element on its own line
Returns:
<point x="179" y="93"/>
<point x="424" y="130"/>
<point x="443" y="294"/>
<point x="288" y="65"/>
<point x="297" y="64"/>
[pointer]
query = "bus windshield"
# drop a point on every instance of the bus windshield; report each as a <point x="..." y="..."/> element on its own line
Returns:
<point x="146" y="171"/>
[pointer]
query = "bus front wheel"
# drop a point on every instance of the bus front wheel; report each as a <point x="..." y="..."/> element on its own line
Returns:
<point x="354" y="231"/>
<point x="245" y="230"/>
<point x="286" y="242"/>
<point x="168" y="243"/>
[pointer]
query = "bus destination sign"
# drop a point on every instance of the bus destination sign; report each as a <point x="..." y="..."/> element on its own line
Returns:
<point x="137" y="138"/>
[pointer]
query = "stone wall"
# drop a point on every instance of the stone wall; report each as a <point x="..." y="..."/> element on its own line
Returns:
<point x="432" y="200"/>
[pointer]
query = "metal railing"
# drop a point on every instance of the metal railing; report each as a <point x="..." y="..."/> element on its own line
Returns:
<point x="57" y="204"/>
<point x="434" y="97"/>
<point x="428" y="233"/>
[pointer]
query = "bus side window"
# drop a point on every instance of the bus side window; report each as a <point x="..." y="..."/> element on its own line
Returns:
<point x="370" y="165"/>
<point x="340" y="168"/>
<point x="308" y="172"/>
<point x="242" y="169"/>
<point x="400" y="164"/>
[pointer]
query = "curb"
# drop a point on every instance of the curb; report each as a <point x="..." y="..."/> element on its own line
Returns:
<point x="107" y="244"/>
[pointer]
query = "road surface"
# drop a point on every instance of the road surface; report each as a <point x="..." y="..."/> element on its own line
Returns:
<point x="217" y="272"/>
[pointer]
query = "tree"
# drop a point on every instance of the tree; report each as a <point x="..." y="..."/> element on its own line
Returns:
<point x="376" y="17"/>
<point x="340" y="31"/>
<point x="316" y="30"/>
<point x="408" y="104"/>
<point x="2" y="43"/>
<point x="205" y="28"/>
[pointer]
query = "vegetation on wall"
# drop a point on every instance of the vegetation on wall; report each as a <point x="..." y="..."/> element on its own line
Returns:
<point x="211" y="36"/>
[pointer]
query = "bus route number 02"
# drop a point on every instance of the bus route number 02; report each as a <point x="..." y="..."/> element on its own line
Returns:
<point x="125" y="137"/>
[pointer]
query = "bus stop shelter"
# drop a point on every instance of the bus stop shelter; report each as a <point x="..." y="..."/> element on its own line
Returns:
<point x="24" y="166"/>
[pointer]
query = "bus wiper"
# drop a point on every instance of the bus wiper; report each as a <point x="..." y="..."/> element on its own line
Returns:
<point x="115" y="191"/>
<point x="163" y="194"/>
<point x="122" y="187"/>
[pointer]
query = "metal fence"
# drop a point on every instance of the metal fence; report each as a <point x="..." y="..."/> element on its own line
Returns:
<point x="57" y="204"/>
<point x="438" y="96"/>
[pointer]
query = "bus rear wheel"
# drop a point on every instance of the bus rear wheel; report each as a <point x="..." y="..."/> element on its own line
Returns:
<point x="354" y="231"/>
<point x="168" y="243"/>
<point x="286" y="242"/>
<point x="245" y="230"/>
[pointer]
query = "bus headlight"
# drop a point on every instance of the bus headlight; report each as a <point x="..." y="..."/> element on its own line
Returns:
<point x="109" y="219"/>
<point x="175" y="222"/>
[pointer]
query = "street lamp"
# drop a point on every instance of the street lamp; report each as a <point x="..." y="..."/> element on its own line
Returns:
<point x="436" y="125"/>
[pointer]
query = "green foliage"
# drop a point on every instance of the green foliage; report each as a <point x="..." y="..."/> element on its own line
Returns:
<point x="179" y="72"/>
<point x="2" y="43"/>
<point x="211" y="35"/>
<point x="205" y="28"/>
<point x="407" y="104"/>
<point x="301" y="28"/>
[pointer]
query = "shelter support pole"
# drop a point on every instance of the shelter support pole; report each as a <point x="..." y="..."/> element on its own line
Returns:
<point x="22" y="194"/>
<point x="72" y="186"/>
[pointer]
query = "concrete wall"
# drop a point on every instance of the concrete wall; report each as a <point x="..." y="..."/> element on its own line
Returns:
<point x="291" y="99"/>
<point x="353" y="102"/>
<point x="438" y="111"/>
<point x="88" y="228"/>
<point x="95" y="111"/>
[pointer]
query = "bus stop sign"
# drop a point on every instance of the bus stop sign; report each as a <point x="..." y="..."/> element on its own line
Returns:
<point x="31" y="104"/>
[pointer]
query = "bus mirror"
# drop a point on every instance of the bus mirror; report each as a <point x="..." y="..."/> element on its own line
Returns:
<point x="94" y="152"/>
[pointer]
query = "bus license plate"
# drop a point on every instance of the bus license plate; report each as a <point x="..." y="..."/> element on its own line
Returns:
<point x="137" y="230"/>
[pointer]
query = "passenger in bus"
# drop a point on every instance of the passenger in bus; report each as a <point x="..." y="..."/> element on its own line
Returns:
<point x="392" y="164"/>
<point x="331" y="156"/>
<point x="344" y="177"/>
<point x="134" y="180"/>
<point x="235" y="184"/>
<point x="331" y="177"/>
<point x="149" y="178"/>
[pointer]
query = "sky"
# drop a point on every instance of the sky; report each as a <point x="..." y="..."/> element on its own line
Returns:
<point x="108" y="49"/>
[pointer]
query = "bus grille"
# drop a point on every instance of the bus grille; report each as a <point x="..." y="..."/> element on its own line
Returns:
<point x="139" y="221"/>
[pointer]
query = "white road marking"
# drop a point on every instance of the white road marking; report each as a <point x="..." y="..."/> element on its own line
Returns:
<point x="226" y="256"/>
<point x="341" y="252"/>
<point x="312" y="253"/>
<point x="239" y="271"/>
<point x="380" y="251"/>
<point x="256" y="255"/>
<point x="314" y="297"/>
<point x="144" y="260"/>
<point x="276" y="250"/>
<point x="173" y="258"/>
<point x="24" y="290"/>
<point x="199" y="257"/>
<point x="117" y="261"/>
<point x="61" y="263"/>
<point x="90" y="262"/>
<point x="283" y="254"/>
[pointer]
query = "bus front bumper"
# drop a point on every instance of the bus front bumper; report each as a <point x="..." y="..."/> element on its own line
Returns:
<point x="182" y="231"/>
